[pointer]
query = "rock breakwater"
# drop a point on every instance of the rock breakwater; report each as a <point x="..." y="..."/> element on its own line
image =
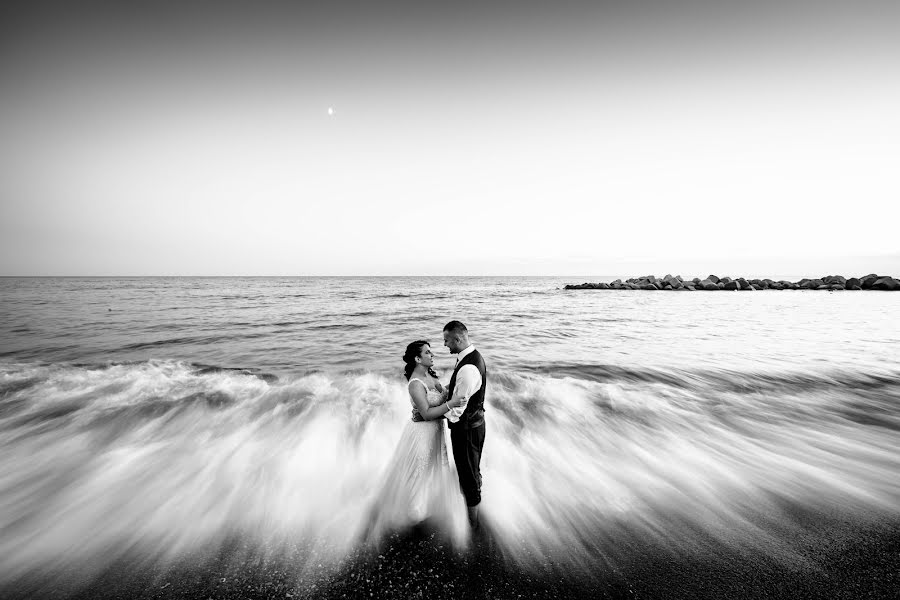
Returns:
<point x="713" y="283"/>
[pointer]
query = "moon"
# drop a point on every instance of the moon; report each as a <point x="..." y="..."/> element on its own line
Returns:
<point x="330" y="112"/>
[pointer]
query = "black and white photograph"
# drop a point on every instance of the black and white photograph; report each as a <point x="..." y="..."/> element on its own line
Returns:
<point x="450" y="300"/>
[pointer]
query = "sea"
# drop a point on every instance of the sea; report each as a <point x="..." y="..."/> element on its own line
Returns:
<point x="156" y="416"/>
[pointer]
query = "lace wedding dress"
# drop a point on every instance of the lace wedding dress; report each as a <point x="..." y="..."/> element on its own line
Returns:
<point x="420" y="483"/>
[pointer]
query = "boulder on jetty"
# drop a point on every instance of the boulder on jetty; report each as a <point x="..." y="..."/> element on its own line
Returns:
<point x="866" y="281"/>
<point x="831" y="283"/>
<point x="888" y="284"/>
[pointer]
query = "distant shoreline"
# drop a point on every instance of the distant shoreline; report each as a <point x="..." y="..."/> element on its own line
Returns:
<point x="713" y="283"/>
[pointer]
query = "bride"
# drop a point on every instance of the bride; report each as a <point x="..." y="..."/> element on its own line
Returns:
<point x="419" y="483"/>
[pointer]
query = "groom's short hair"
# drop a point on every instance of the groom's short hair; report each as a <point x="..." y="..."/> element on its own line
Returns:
<point x="455" y="327"/>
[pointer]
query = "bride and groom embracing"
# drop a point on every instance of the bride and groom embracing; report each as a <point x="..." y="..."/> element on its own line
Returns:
<point x="419" y="484"/>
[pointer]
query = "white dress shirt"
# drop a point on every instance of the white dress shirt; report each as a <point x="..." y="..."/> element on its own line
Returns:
<point x="468" y="381"/>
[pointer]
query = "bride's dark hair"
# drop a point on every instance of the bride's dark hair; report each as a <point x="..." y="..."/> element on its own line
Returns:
<point x="413" y="351"/>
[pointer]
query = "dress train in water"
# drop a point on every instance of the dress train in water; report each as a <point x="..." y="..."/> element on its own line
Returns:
<point x="420" y="484"/>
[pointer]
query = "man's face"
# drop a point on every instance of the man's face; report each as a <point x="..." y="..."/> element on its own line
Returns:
<point x="451" y="340"/>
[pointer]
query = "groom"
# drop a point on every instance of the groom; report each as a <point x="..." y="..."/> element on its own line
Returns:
<point x="466" y="421"/>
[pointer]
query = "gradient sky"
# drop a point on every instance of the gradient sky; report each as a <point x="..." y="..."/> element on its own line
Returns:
<point x="192" y="138"/>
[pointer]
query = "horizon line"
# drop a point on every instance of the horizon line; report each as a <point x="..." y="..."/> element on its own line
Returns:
<point x="159" y="276"/>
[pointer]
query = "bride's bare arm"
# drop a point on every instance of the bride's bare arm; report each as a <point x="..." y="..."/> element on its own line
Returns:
<point x="420" y="398"/>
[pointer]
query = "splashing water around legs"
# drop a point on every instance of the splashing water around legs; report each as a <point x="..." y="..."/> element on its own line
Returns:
<point x="161" y="460"/>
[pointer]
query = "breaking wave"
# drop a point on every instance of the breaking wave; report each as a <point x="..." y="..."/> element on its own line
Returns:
<point x="161" y="458"/>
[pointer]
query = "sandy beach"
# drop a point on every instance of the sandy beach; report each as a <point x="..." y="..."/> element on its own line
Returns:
<point x="834" y="558"/>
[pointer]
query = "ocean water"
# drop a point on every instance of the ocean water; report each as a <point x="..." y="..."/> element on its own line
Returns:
<point x="158" y="416"/>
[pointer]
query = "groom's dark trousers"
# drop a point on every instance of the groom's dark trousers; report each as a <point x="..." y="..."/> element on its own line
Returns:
<point x="467" y="435"/>
<point x="467" y="445"/>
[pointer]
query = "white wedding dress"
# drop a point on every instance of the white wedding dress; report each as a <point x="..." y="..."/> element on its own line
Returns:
<point x="420" y="483"/>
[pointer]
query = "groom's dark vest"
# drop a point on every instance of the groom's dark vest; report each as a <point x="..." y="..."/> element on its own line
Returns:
<point x="473" y="416"/>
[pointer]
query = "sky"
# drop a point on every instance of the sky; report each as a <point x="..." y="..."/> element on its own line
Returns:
<point x="415" y="138"/>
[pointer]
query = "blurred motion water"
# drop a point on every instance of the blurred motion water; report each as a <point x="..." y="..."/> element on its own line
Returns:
<point x="161" y="415"/>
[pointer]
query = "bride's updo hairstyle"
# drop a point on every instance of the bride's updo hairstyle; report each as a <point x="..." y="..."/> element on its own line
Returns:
<point x="413" y="351"/>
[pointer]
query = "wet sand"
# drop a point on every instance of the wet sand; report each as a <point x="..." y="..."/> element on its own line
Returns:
<point x="837" y="557"/>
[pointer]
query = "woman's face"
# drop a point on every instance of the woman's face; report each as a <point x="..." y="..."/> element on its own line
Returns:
<point x="426" y="357"/>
